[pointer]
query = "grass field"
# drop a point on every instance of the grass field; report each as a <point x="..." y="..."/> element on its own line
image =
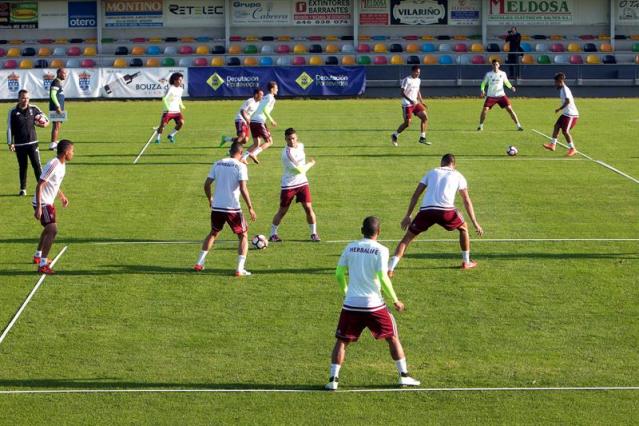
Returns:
<point x="123" y="313"/>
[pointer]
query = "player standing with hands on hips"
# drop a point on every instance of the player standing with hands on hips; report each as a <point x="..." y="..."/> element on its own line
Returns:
<point x="412" y="103"/>
<point x="173" y="107"/>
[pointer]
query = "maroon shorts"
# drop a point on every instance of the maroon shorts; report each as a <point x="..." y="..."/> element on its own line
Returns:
<point x="234" y="219"/>
<point x="48" y="214"/>
<point x="168" y="116"/>
<point x="566" y="122"/>
<point x="448" y="219"/>
<point x="241" y="128"/>
<point x="502" y="101"/>
<point x="351" y="324"/>
<point x="259" y="130"/>
<point x="302" y="194"/>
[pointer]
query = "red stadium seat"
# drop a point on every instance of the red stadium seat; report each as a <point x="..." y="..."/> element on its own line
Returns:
<point x="478" y="60"/>
<point x="557" y="47"/>
<point x="283" y="49"/>
<point x="185" y="50"/>
<point x="380" y="60"/>
<point x="363" y="48"/>
<point x="200" y="62"/>
<point x="299" y="60"/>
<point x="576" y="60"/>
<point x="10" y="64"/>
<point x="87" y="63"/>
<point x="74" y="51"/>
<point x="461" y="47"/>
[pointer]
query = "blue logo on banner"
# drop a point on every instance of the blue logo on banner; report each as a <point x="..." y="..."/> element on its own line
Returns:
<point x="83" y="14"/>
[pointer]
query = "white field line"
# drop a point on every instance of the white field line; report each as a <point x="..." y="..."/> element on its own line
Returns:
<point x="504" y="389"/>
<point x="601" y="163"/>
<point x="28" y="299"/>
<point x="155" y="130"/>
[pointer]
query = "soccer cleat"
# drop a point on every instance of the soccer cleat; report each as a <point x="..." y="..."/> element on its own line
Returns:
<point x="242" y="273"/>
<point x="53" y="146"/>
<point x="315" y="238"/>
<point x="550" y="146"/>
<point x="423" y="141"/>
<point x="571" y="152"/>
<point x="36" y="260"/>
<point x="332" y="384"/>
<point x="468" y="265"/>
<point x="394" y="140"/>
<point x="197" y="267"/>
<point x="22" y="193"/>
<point x="171" y="138"/>
<point x="274" y="239"/>
<point x="520" y="129"/>
<point x="46" y="269"/>
<point x="480" y="128"/>
<point x="406" y="380"/>
<point x="157" y="141"/>
<point x="222" y="141"/>
<point x="254" y="158"/>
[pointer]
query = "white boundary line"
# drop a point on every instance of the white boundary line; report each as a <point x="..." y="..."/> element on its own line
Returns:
<point x="155" y="131"/>
<point x="601" y="163"/>
<point x="28" y="299"/>
<point x="504" y="389"/>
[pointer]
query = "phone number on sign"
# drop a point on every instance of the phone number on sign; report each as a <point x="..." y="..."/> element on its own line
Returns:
<point x="322" y="22"/>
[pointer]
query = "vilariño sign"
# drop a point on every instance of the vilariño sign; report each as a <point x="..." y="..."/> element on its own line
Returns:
<point x="530" y="12"/>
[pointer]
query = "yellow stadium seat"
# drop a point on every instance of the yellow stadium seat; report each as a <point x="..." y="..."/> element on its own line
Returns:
<point x="119" y="63"/>
<point x="459" y="37"/>
<point x="593" y="59"/>
<point x="350" y="60"/>
<point x="13" y="52"/>
<point x="217" y="61"/>
<point x="525" y="37"/>
<point x="556" y="37"/>
<point x="574" y="47"/>
<point x="506" y="47"/>
<point x="477" y="47"/>
<point x="316" y="60"/>
<point x="528" y="60"/>
<point x="606" y="47"/>
<point x="251" y="38"/>
<point x="61" y="41"/>
<point x="202" y="50"/>
<point x="89" y="51"/>
<point x="187" y="39"/>
<point x="331" y="48"/>
<point x="412" y="48"/>
<point x="26" y="64"/>
<point x="363" y="37"/>
<point x="153" y="62"/>
<point x="56" y="63"/>
<point x="397" y="60"/>
<point x="491" y="58"/>
<point x="284" y="38"/>
<point x="299" y="49"/>
<point x="634" y="37"/>
<point x="379" y="48"/>
<point x="604" y="37"/>
<point x="331" y="38"/>
<point x="155" y="39"/>
<point x="90" y="40"/>
<point x="235" y="50"/>
<point x="250" y="61"/>
<point x="430" y="60"/>
<point x="137" y="51"/>
<point x="44" y="51"/>
<point x="427" y="37"/>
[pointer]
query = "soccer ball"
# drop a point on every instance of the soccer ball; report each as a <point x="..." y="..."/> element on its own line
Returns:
<point x="512" y="151"/>
<point x="41" y="119"/>
<point x="259" y="242"/>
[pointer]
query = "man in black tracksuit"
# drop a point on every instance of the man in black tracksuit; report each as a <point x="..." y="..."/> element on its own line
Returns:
<point x="22" y="137"/>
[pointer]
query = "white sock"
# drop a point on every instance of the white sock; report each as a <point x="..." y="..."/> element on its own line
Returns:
<point x="173" y="133"/>
<point x="313" y="228"/>
<point x="481" y="125"/>
<point x="393" y="263"/>
<point x="273" y="229"/>
<point x="227" y="139"/>
<point x="245" y="155"/>
<point x="518" y="125"/>
<point x="38" y="253"/>
<point x="43" y="261"/>
<point x="158" y="137"/>
<point x="571" y="145"/>
<point x="335" y="370"/>
<point x="466" y="256"/>
<point x="422" y="135"/>
<point x="257" y="151"/>
<point x="200" y="259"/>
<point x="553" y="141"/>
<point x="401" y="366"/>
<point x="241" y="260"/>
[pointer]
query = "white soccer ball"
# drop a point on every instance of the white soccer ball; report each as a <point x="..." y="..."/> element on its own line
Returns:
<point x="41" y="119"/>
<point x="259" y="242"/>
<point x="512" y="151"/>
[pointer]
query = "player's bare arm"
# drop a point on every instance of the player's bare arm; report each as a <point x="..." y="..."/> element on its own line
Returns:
<point x="564" y="105"/>
<point x="247" y="200"/>
<point x="63" y="198"/>
<point x="468" y="204"/>
<point x="207" y="189"/>
<point x="38" y="196"/>
<point x="411" y="206"/>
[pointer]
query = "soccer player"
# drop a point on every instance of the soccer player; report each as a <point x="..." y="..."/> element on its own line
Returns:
<point x="568" y="119"/>
<point x="259" y="131"/>
<point x="173" y="107"/>
<point x="23" y="139"/>
<point x="412" y="103"/>
<point x="231" y="176"/>
<point x="365" y="261"/>
<point x="496" y="80"/>
<point x="56" y="103"/>
<point x="43" y="202"/>
<point x="294" y="185"/>
<point x="438" y="207"/>
<point x="243" y="118"/>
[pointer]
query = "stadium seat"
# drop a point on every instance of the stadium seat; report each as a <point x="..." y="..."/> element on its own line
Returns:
<point x="635" y="47"/>
<point x="120" y="50"/>
<point x="606" y="47"/>
<point x="620" y="37"/>
<point x="478" y="60"/>
<point x="119" y="63"/>
<point x="283" y="49"/>
<point x="59" y="51"/>
<point x="203" y="39"/>
<point x="185" y="50"/>
<point x="364" y="60"/>
<point x="492" y="47"/>
<point x="87" y="63"/>
<point x="250" y="49"/>
<point x="26" y="64"/>
<point x="411" y="37"/>
<point x="331" y="60"/>
<point x="284" y="38"/>
<point x="541" y="47"/>
<point x="460" y="37"/>
<point x="445" y="60"/>
<point x="348" y="48"/>
<point x="587" y="37"/>
<point x="539" y="37"/>
<point x="427" y="37"/>
<point x="348" y="60"/>
<point x="200" y="62"/>
<point x="2" y="52"/>
<point x="428" y="47"/>
<point x="609" y="59"/>
<point x="10" y="64"/>
<point x="444" y="47"/>
<point x="379" y="37"/>
<point x="251" y="38"/>
<point x="28" y="51"/>
<point x="267" y="49"/>
<point x="73" y="63"/>
<point x="284" y="61"/>
<point x="574" y="47"/>
<point x="590" y="47"/>
<point x="315" y="48"/>
<point x="152" y="62"/>
<point x="89" y="51"/>
<point x="134" y="62"/>
<point x="331" y="38"/>
<point x="528" y="60"/>
<point x="235" y="38"/>
<point x="478" y="47"/>
<point x="218" y="50"/>
<point x="187" y="40"/>
<point x="202" y="50"/>
<point x="185" y="62"/>
<point x="364" y="37"/>
<point x="170" y="50"/>
<point x="138" y="40"/>
<point x="526" y="47"/>
<point x="314" y="38"/>
<point x="506" y="47"/>
<point x="299" y="60"/>
<point x="576" y="60"/>
<point x="170" y="39"/>
<point x="41" y="63"/>
<point x="59" y="63"/>
<point x="137" y="51"/>
<point x="250" y="61"/>
<point x="492" y="58"/>
<point x="363" y="48"/>
<point x="556" y="37"/>
<point x="233" y="61"/>
<point x="413" y="60"/>
<point x="557" y="48"/>
<point x="217" y="62"/>
<point x="443" y="37"/>
<point x="464" y="59"/>
<point x="412" y="48"/>
<point x="43" y="51"/>
<point x="637" y="59"/>
<point x="299" y="49"/>
<point x="603" y="37"/>
<point x="168" y="62"/>
<point x="235" y="49"/>
<point x="396" y="48"/>
<point x="460" y="48"/>
<point x="543" y="60"/>
<point x="266" y="61"/>
<point x="430" y="60"/>
<point x="153" y="50"/>
<point x="45" y="41"/>
<point x="13" y="52"/>
<point x="332" y="48"/>
<point x="379" y="48"/>
<point x="593" y="59"/>
<point x="397" y="60"/>
<point x="561" y="59"/>
<point x="59" y="41"/>
<point x="315" y="60"/>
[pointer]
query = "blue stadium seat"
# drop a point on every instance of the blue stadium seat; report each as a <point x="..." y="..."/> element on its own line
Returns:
<point x="609" y="59"/>
<point x="41" y="63"/>
<point x="445" y="60"/>
<point x="266" y="61"/>
<point x="153" y="50"/>
<point x="526" y="47"/>
<point x="396" y="48"/>
<point x="428" y="47"/>
<point x="134" y="62"/>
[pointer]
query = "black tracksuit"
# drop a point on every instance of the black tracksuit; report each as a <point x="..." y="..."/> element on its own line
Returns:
<point x="22" y="133"/>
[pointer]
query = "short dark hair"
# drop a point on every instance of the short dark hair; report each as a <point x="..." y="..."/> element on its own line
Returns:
<point x="59" y="71"/>
<point x="22" y="91"/>
<point x="414" y="68"/>
<point x="494" y="60"/>
<point x="288" y="132"/>
<point x="271" y="84"/>
<point x="256" y="91"/>
<point x="560" y="76"/>
<point x="370" y="226"/>
<point x="448" y="159"/>
<point x="235" y="148"/>
<point x="63" y="146"/>
<point x="174" y="77"/>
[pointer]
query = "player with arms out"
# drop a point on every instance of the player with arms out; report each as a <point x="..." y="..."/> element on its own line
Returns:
<point x="173" y="107"/>
<point x="496" y="80"/>
<point x="56" y="104"/>
<point x="243" y="118"/>
<point x="365" y="261"/>
<point x="43" y="202"/>
<point x="438" y="207"/>
<point x="412" y="103"/>
<point x="230" y="176"/>
<point x="259" y="131"/>
<point x="568" y="119"/>
<point x="294" y="185"/>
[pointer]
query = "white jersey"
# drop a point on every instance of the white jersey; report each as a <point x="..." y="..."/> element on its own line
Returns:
<point x="410" y="86"/>
<point x="249" y="106"/>
<point x="364" y="259"/>
<point x="495" y="82"/>
<point x="266" y="104"/>
<point x="52" y="174"/>
<point x="442" y="184"/>
<point x="571" y="108"/>
<point x="173" y="98"/>
<point x="227" y="174"/>
<point x="291" y="158"/>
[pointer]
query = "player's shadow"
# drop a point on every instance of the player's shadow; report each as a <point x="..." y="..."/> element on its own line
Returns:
<point x="527" y="255"/>
<point x="142" y="163"/>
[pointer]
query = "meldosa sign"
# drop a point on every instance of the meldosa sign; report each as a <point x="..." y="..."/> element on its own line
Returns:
<point x="530" y="12"/>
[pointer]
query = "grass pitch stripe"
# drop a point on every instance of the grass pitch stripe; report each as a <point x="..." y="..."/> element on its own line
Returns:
<point x="28" y="299"/>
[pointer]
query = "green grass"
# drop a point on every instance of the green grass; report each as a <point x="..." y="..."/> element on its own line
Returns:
<point x="134" y="316"/>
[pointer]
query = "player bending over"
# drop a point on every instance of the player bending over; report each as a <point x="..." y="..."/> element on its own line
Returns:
<point x="243" y="118"/>
<point x="259" y="131"/>
<point x="438" y="207"/>
<point x="412" y="103"/>
<point x="496" y="80"/>
<point x="173" y="107"/>
<point x="294" y="185"/>
<point x="568" y="119"/>
<point x="365" y="261"/>
<point x="231" y="176"/>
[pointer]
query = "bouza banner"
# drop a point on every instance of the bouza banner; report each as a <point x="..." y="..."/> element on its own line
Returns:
<point x="138" y="82"/>
<point x="80" y="83"/>
<point x="292" y="81"/>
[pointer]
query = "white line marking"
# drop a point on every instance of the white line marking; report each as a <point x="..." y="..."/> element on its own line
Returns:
<point x="504" y="389"/>
<point x="601" y="163"/>
<point x="155" y="131"/>
<point x="28" y="299"/>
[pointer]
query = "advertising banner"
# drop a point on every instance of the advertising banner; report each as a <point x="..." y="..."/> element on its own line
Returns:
<point x="80" y="83"/>
<point x="292" y="81"/>
<point x="627" y="12"/>
<point x="323" y="12"/>
<point x="19" y="14"/>
<point x="193" y="13"/>
<point x="260" y="12"/>
<point x="530" y="12"/>
<point x="132" y="13"/>
<point x="53" y="14"/>
<point x="464" y="12"/>
<point x="374" y="12"/>
<point x="83" y="14"/>
<point x="419" y="12"/>
<point x="137" y="83"/>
